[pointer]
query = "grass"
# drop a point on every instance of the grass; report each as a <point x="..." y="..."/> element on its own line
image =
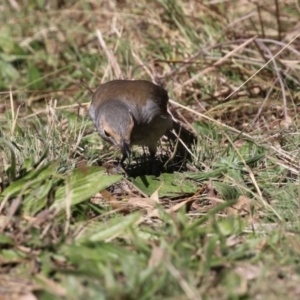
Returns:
<point x="226" y="226"/>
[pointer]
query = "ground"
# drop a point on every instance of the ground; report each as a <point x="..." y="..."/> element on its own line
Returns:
<point x="220" y="222"/>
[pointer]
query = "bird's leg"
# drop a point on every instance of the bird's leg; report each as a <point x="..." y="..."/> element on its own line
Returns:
<point x="155" y="170"/>
<point x="144" y="152"/>
<point x="154" y="165"/>
<point x="121" y="163"/>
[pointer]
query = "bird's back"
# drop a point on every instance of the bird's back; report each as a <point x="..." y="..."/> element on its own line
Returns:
<point x="142" y="97"/>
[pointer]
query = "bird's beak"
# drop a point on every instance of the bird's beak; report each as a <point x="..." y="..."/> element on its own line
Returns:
<point x="125" y="149"/>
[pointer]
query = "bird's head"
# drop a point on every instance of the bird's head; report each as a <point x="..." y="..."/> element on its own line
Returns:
<point x="115" y="126"/>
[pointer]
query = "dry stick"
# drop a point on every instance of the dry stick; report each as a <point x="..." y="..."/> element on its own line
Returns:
<point x="45" y="111"/>
<point x="278" y="19"/>
<point x="251" y="51"/>
<point x="260" y="20"/>
<point x="182" y="143"/>
<point x="111" y="58"/>
<point x="38" y="91"/>
<point x="211" y="119"/>
<point x="266" y="40"/>
<point x="280" y="44"/>
<point x="217" y="63"/>
<point x="139" y="61"/>
<point x="263" y="46"/>
<point x="286" y="46"/>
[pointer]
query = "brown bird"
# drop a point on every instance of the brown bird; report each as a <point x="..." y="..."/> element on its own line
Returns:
<point x="131" y="112"/>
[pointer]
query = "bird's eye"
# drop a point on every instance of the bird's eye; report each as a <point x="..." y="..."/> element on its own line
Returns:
<point x="106" y="133"/>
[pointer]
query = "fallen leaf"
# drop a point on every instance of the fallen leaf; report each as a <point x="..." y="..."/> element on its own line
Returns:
<point x="110" y="198"/>
<point x="242" y="207"/>
<point x="139" y="202"/>
<point x="248" y="271"/>
<point x="155" y="196"/>
<point x="157" y="256"/>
